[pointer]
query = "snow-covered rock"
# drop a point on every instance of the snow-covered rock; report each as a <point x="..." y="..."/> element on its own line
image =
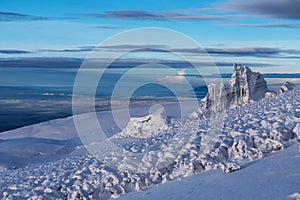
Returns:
<point x="295" y="196"/>
<point x="287" y="86"/>
<point x="147" y="126"/>
<point x="247" y="85"/>
<point x="270" y="94"/>
<point x="244" y="86"/>
<point x="216" y="99"/>
<point x="296" y="130"/>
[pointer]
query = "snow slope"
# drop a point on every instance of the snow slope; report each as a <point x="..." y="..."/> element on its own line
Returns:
<point x="55" y="139"/>
<point x="274" y="177"/>
<point x="254" y="131"/>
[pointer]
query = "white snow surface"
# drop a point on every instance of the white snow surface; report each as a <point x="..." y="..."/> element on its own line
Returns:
<point x="286" y="87"/>
<point x="147" y="126"/>
<point x="251" y="132"/>
<point x="274" y="177"/>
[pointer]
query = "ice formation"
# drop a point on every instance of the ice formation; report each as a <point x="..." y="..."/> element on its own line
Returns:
<point x="244" y="86"/>
<point x="286" y="87"/>
<point x="147" y="126"/>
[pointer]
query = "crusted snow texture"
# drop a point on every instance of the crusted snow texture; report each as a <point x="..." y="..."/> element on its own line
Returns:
<point x="296" y="130"/>
<point x="270" y="94"/>
<point x="147" y="126"/>
<point x="250" y="132"/>
<point x="286" y="87"/>
<point x="245" y="86"/>
<point x="295" y="196"/>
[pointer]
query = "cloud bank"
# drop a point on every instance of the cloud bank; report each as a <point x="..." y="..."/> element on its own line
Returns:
<point x="176" y="15"/>
<point x="282" y="9"/>
<point x="11" y="16"/>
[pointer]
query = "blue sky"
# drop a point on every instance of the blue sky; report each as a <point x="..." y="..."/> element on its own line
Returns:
<point x="262" y="33"/>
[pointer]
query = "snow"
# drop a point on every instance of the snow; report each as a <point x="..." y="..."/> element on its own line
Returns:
<point x="48" y="161"/>
<point x="274" y="177"/>
<point x="147" y="126"/>
<point x="286" y="87"/>
<point x="244" y="86"/>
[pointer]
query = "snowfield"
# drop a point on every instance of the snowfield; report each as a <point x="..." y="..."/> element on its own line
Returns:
<point x="274" y="177"/>
<point x="254" y="131"/>
<point x="48" y="160"/>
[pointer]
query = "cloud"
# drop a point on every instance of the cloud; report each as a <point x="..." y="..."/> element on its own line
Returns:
<point x="282" y="9"/>
<point x="275" y="25"/>
<point x="264" y="52"/>
<point x="174" y="79"/>
<point x="181" y="72"/>
<point x="41" y="62"/>
<point x="108" y="27"/>
<point x="11" y="16"/>
<point x="67" y="50"/>
<point x="68" y="63"/>
<point x="253" y="52"/>
<point x="178" y="15"/>
<point x="13" y="51"/>
<point x="113" y="48"/>
<point x="261" y="52"/>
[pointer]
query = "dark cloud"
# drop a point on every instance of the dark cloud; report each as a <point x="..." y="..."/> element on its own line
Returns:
<point x="281" y="25"/>
<point x="133" y="46"/>
<point x="75" y="63"/>
<point x="252" y="51"/>
<point x="234" y="52"/>
<point x="261" y="52"/>
<point x="282" y="9"/>
<point x="67" y="50"/>
<point x="108" y="27"/>
<point x="13" y="51"/>
<point x="43" y="62"/>
<point x="157" y="15"/>
<point x="11" y="16"/>
<point x="114" y="48"/>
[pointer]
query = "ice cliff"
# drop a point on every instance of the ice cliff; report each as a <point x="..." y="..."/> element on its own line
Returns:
<point x="244" y="86"/>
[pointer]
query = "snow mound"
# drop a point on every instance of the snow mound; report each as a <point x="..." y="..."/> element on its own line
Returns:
<point x="245" y="86"/>
<point x="147" y="126"/>
<point x="287" y="86"/>
<point x="295" y="196"/>
<point x="270" y="94"/>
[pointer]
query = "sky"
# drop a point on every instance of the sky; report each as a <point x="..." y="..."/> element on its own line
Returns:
<point x="263" y="34"/>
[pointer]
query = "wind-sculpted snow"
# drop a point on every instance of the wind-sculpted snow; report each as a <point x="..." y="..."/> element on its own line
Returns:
<point x="250" y="132"/>
<point x="244" y="86"/>
<point x="287" y="86"/>
<point x="147" y="126"/>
